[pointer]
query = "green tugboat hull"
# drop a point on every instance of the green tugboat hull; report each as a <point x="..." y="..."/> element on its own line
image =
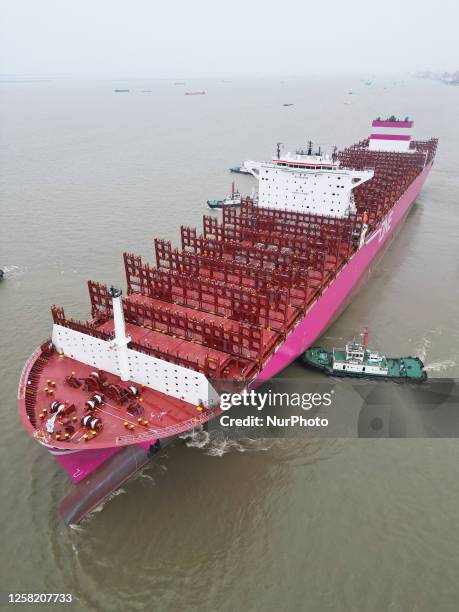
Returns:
<point x="399" y="369"/>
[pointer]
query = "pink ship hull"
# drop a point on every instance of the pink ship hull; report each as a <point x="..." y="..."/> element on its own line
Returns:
<point x="337" y="296"/>
<point x="79" y="464"/>
<point x="320" y="315"/>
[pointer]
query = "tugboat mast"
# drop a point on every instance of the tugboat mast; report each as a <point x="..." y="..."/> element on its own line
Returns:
<point x="365" y="338"/>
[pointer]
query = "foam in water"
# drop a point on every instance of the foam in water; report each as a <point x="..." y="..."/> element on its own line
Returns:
<point x="218" y="445"/>
<point x="421" y="350"/>
<point x="101" y="506"/>
<point x="141" y="474"/>
<point x="14" y="271"/>
<point x="440" y="366"/>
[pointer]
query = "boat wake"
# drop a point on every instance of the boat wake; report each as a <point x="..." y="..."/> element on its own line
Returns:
<point x="440" y="366"/>
<point x="99" y="507"/>
<point x="14" y="271"/>
<point x="218" y="444"/>
<point x="421" y="349"/>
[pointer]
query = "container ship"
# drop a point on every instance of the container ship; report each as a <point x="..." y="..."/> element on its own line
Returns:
<point x="238" y="301"/>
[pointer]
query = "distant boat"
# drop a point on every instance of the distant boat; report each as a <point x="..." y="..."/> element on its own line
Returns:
<point x="121" y="90"/>
<point x="179" y="83"/>
<point x="289" y="104"/>
<point x="240" y="170"/>
<point x="229" y="202"/>
<point x="248" y="167"/>
<point x="199" y="92"/>
<point x="146" y="90"/>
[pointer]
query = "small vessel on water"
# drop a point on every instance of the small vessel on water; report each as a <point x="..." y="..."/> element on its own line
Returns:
<point x="199" y="92"/>
<point x="247" y="167"/>
<point x="121" y="90"/>
<point x="229" y="202"/>
<point x="357" y="360"/>
<point x="240" y="170"/>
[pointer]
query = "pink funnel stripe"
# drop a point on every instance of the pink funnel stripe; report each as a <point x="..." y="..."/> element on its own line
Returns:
<point x="393" y="124"/>
<point x="390" y="137"/>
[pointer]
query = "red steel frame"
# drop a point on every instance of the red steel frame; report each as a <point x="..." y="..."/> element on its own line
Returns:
<point x="236" y="289"/>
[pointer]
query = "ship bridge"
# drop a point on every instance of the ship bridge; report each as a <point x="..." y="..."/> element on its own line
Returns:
<point x="308" y="182"/>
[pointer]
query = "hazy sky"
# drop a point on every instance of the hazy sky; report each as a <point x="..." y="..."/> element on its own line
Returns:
<point x="176" y="38"/>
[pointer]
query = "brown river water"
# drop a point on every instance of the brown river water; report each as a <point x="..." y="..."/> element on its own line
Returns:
<point x="297" y="524"/>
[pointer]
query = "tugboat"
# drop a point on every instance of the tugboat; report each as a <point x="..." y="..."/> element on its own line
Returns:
<point x="357" y="360"/>
<point x="248" y="167"/>
<point x="229" y="202"/>
<point x="240" y="170"/>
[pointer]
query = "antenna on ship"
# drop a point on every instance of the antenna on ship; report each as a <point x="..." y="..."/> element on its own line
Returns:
<point x="279" y="144"/>
<point x="319" y="151"/>
<point x="309" y="147"/>
<point x="365" y="337"/>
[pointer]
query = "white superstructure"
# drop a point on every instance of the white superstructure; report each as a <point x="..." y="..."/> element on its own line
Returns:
<point x="115" y="357"/>
<point x="309" y="183"/>
<point x="357" y="359"/>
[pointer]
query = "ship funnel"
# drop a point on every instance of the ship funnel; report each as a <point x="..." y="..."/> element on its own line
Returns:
<point x="390" y="134"/>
